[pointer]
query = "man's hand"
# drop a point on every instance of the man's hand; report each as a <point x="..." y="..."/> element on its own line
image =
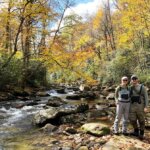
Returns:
<point x="145" y="110"/>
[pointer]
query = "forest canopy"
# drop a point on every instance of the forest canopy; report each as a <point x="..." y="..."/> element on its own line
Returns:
<point x="40" y="44"/>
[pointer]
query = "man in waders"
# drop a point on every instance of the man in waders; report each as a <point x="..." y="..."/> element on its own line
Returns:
<point x="122" y="98"/>
<point x="138" y="107"/>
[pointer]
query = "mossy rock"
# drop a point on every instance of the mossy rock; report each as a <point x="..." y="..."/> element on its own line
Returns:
<point x="96" y="129"/>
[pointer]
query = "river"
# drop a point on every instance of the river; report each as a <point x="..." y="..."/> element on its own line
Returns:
<point x="16" y="125"/>
<point x="16" y="121"/>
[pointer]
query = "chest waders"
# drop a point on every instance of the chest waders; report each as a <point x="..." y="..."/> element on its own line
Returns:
<point x="137" y="117"/>
<point x="122" y="109"/>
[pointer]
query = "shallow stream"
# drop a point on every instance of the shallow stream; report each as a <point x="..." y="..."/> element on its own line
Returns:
<point x="16" y="125"/>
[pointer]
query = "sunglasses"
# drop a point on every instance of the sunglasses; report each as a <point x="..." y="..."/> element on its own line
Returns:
<point x="134" y="78"/>
<point x="124" y="80"/>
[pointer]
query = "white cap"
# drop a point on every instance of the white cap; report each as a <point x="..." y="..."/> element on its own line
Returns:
<point x="124" y="78"/>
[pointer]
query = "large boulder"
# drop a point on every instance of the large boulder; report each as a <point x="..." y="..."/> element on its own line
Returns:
<point x="61" y="90"/>
<point x="96" y="129"/>
<point x="89" y="95"/>
<point x="53" y="114"/>
<point x="74" y="97"/>
<point x="125" y="143"/>
<point x="78" y="118"/>
<point x="55" y="101"/>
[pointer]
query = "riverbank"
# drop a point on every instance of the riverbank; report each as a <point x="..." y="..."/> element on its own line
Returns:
<point x="75" y="131"/>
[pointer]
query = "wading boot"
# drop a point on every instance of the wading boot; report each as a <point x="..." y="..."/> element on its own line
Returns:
<point x="141" y="136"/>
<point x="135" y="133"/>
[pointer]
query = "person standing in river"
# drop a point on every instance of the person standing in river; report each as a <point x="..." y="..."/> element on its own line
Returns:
<point x="138" y="107"/>
<point x="122" y="99"/>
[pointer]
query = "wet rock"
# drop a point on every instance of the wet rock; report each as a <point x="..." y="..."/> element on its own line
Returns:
<point x="49" y="128"/>
<point x="72" y="88"/>
<point x="111" y="96"/>
<point x="71" y="130"/>
<point x="97" y="129"/>
<point x="101" y="106"/>
<point x="89" y="95"/>
<point x="11" y="96"/>
<point x="110" y="89"/>
<point x="102" y="96"/>
<point x="19" y="92"/>
<point x="97" y="113"/>
<point x="61" y="90"/>
<point x="55" y="101"/>
<point x="73" y="118"/>
<point x="19" y="106"/>
<point x="73" y="97"/>
<point x="32" y="103"/>
<point x="42" y="94"/>
<point x="53" y="114"/>
<point x="104" y="93"/>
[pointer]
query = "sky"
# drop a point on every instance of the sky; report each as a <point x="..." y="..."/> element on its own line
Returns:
<point x="85" y="7"/>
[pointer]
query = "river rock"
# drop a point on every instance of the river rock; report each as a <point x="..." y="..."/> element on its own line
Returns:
<point x="53" y="114"/>
<point x="73" y="97"/>
<point x="55" y="101"/>
<point x="73" y="118"/>
<point x="19" y="92"/>
<point x="97" y="129"/>
<point x="71" y="130"/>
<point x="95" y="113"/>
<point x="61" y="90"/>
<point x="83" y="148"/>
<point x="125" y="143"/>
<point x="111" y="96"/>
<point x="89" y="95"/>
<point x="42" y="94"/>
<point x="49" y="128"/>
<point x="147" y="120"/>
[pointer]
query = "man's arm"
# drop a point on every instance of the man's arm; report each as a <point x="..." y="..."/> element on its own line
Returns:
<point x="145" y="93"/>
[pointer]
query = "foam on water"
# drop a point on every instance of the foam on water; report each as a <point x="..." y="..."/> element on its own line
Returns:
<point x="13" y="115"/>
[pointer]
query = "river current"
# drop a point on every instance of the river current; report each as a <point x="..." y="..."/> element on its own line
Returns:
<point x="16" y="122"/>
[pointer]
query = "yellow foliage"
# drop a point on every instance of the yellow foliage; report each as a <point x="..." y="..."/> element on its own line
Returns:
<point x="19" y="54"/>
<point x="133" y="18"/>
<point x="97" y="19"/>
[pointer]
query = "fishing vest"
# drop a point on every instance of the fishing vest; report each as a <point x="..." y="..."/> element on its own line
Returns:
<point x="124" y="94"/>
<point x="136" y="95"/>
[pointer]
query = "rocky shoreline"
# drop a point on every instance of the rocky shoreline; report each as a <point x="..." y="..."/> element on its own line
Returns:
<point x="86" y="126"/>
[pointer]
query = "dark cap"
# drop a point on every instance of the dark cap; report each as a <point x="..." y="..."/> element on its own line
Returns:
<point x="134" y="77"/>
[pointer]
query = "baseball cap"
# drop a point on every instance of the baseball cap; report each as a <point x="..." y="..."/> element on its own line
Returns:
<point x="134" y="77"/>
<point x="124" y="78"/>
